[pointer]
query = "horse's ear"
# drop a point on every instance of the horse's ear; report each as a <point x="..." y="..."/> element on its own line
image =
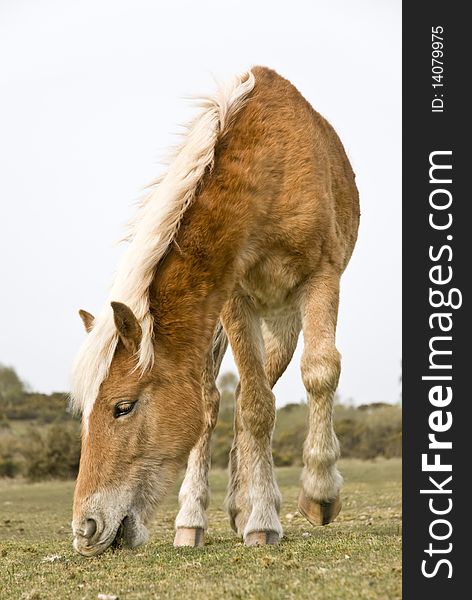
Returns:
<point x="127" y="325"/>
<point x="87" y="319"/>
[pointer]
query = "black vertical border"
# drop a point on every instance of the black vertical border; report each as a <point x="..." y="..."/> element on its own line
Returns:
<point x="423" y="133"/>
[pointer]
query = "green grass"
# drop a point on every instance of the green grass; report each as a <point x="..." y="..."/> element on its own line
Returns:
<point x="358" y="556"/>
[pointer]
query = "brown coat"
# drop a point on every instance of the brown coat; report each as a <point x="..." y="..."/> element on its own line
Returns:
<point x="262" y="247"/>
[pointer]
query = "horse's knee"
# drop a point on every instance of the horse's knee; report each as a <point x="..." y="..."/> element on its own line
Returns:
<point x="321" y="370"/>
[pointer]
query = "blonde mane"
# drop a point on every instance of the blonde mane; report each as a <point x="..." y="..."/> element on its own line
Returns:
<point x="150" y="234"/>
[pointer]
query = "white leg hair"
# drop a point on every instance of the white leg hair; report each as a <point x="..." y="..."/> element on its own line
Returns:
<point x="194" y="495"/>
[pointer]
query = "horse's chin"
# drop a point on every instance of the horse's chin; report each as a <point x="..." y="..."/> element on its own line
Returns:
<point x="131" y="533"/>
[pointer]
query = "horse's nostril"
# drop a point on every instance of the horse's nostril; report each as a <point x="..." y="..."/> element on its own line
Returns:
<point x="90" y="528"/>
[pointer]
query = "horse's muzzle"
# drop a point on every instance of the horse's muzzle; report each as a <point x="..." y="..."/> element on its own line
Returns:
<point x="92" y="537"/>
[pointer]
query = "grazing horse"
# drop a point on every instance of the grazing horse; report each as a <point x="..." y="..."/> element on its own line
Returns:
<point x="244" y="238"/>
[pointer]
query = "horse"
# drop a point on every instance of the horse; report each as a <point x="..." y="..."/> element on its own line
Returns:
<point x="243" y="239"/>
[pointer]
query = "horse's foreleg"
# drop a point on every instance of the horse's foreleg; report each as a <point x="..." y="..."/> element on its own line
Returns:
<point x="194" y="495"/>
<point x="319" y="498"/>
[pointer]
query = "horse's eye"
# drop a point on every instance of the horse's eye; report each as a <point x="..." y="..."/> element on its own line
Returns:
<point x="123" y="408"/>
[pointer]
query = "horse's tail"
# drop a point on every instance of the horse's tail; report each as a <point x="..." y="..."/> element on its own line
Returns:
<point x="219" y="345"/>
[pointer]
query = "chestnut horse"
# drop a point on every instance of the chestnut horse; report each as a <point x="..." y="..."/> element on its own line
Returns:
<point x="244" y="238"/>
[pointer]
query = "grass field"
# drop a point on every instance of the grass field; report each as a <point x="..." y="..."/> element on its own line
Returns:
<point x="358" y="556"/>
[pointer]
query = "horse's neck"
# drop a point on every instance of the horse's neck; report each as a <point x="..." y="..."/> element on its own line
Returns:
<point x="193" y="282"/>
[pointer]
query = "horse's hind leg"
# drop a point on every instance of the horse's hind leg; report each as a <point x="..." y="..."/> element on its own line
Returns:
<point x="280" y="337"/>
<point x="319" y="498"/>
<point x="194" y="495"/>
<point x="253" y="500"/>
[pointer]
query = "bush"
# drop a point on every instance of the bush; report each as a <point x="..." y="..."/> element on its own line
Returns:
<point x="45" y="408"/>
<point x="54" y="454"/>
<point x="370" y="431"/>
<point x="9" y="464"/>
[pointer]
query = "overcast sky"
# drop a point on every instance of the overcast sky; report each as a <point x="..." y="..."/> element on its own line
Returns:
<point x="90" y="97"/>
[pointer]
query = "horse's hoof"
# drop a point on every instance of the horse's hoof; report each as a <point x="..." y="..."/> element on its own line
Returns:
<point x="189" y="536"/>
<point x="261" y="538"/>
<point x="319" y="513"/>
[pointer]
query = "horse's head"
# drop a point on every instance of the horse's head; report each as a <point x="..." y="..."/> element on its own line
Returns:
<point x="136" y="436"/>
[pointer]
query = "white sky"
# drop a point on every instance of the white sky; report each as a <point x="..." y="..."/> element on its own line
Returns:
<point x="91" y="94"/>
